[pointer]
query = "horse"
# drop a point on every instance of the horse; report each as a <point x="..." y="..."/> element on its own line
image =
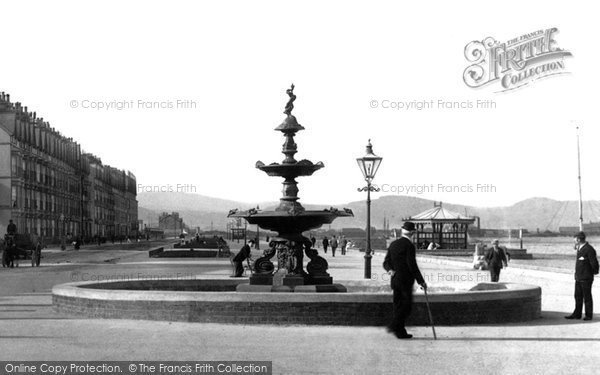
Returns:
<point x="9" y="253"/>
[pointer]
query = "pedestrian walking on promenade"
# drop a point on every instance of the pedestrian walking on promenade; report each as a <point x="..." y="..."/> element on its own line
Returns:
<point x="343" y="244"/>
<point x="401" y="263"/>
<point x="586" y="267"/>
<point x="334" y="245"/>
<point x="496" y="259"/>
<point x="325" y="244"/>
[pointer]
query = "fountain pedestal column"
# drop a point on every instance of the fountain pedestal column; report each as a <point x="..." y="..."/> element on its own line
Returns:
<point x="290" y="256"/>
<point x="289" y="261"/>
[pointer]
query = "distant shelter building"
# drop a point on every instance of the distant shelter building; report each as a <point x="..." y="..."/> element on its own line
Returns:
<point x="50" y="188"/>
<point x="445" y="228"/>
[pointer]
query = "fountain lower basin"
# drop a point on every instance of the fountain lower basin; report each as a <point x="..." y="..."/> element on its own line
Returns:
<point x="214" y="300"/>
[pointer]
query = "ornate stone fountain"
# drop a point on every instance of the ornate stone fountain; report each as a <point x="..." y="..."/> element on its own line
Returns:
<point x="290" y="219"/>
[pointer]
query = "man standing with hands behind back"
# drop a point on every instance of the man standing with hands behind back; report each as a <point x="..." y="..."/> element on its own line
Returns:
<point x="585" y="269"/>
<point x="496" y="259"/>
<point x="401" y="263"/>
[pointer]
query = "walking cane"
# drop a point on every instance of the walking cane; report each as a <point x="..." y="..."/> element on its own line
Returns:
<point x="429" y="311"/>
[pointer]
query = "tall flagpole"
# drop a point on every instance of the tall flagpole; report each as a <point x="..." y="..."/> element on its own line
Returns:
<point x="579" y="178"/>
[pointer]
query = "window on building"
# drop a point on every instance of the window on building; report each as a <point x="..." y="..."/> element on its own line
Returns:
<point x="21" y="199"/>
<point x="14" y="197"/>
<point x="13" y="165"/>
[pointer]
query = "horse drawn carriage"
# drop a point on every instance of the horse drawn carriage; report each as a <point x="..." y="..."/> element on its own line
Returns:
<point x="21" y="246"/>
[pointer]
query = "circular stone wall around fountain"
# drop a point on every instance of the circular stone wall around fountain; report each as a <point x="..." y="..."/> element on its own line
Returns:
<point x="215" y="301"/>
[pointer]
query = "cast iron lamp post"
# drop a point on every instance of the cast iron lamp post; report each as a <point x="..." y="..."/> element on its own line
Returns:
<point x="368" y="165"/>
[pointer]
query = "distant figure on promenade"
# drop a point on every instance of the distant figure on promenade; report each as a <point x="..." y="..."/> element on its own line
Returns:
<point x="334" y="245"/>
<point x="401" y="263"/>
<point x="343" y="244"/>
<point x="313" y="240"/>
<point x="479" y="262"/>
<point x="36" y="254"/>
<point x="240" y="257"/>
<point x="586" y="267"/>
<point x="325" y="244"/>
<point x="496" y="259"/>
<point x="11" y="228"/>
<point x="432" y="246"/>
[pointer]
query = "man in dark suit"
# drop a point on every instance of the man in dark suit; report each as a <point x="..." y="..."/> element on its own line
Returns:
<point x="585" y="269"/>
<point x="334" y="245"/>
<point x="401" y="263"/>
<point x="496" y="259"/>
<point x="325" y="244"/>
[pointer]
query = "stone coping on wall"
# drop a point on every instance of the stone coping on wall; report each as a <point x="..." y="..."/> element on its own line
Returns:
<point x="112" y="291"/>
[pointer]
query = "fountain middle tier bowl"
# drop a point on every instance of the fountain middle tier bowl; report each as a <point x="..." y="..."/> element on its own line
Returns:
<point x="285" y="222"/>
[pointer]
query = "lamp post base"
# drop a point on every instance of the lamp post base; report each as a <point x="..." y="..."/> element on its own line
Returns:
<point x="368" y="257"/>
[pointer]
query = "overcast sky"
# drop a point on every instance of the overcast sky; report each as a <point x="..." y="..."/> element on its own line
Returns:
<point x="235" y="60"/>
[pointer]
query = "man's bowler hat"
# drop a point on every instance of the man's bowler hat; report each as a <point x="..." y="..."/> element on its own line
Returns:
<point x="409" y="226"/>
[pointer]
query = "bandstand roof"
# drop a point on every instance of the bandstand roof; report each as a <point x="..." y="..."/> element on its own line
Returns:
<point x="440" y="214"/>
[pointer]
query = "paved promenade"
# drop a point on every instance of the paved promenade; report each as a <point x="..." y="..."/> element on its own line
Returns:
<point x="30" y="329"/>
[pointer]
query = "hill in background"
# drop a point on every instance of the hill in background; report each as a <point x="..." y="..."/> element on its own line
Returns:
<point x="532" y="214"/>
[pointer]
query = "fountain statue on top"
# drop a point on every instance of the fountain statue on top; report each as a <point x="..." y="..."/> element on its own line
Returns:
<point x="290" y="219"/>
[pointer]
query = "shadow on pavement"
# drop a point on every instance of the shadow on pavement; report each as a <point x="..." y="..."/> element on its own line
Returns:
<point x="559" y="339"/>
<point x="550" y="318"/>
<point x="28" y="337"/>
